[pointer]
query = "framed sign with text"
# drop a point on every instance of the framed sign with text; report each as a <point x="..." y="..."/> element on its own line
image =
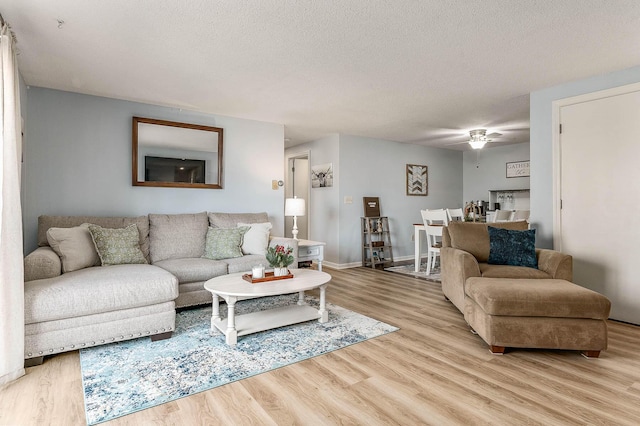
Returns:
<point x="371" y="206"/>
<point x="518" y="169"/>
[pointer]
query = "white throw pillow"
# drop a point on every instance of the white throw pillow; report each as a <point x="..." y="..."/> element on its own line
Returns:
<point x="74" y="246"/>
<point x="256" y="239"/>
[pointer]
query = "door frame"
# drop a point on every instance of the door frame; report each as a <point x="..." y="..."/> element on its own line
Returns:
<point x="287" y="182"/>
<point x="556" y="107"/>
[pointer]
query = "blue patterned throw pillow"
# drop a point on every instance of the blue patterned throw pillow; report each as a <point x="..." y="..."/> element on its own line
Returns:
<point x="510" y="247"/>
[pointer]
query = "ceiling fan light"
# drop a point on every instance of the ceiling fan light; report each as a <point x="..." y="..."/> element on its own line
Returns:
<point x="478" y="144"/>
<point x="477" y="138"/>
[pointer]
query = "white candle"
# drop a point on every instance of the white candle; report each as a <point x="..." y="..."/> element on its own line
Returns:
<point x="258" y="271"/>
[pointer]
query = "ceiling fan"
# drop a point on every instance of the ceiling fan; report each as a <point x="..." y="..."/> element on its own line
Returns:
<point x="478" y="138"/>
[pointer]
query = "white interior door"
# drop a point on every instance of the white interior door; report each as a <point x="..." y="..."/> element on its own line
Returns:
<point x="600" y="193"/>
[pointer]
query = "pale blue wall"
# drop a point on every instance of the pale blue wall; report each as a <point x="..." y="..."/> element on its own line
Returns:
<point x="485" y="169"/>
<point x="376" y="168"/>
<point x="77" y="161"/>
<point x="541" y="143"/>
<point x="323" y="203"/>
<point x="366" y="167"/>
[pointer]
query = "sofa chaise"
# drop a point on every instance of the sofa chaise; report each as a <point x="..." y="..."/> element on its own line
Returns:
<point x="72" y="302"/>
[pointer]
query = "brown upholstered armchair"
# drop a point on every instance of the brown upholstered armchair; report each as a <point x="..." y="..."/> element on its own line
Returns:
<point x="519" y="306"/>
<point x="465" y="252"/>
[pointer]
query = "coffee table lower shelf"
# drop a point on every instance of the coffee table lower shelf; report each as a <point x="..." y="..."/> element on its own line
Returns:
<point x="256" y="322"/>
<point x="233" y="288"/>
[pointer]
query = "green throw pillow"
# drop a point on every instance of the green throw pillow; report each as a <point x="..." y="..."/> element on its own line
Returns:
<point x="224" y="243"/>
<point x="117" y="246"/>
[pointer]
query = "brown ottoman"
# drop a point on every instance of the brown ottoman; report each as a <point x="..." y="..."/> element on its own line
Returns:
<point x="535" y="313"/>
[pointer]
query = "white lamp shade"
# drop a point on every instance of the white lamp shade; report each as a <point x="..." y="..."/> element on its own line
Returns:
<point x="294" y="207"/>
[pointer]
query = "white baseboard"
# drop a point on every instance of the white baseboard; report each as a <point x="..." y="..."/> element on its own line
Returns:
<point x="357" y="264"/>
<point x="341" y="265"/>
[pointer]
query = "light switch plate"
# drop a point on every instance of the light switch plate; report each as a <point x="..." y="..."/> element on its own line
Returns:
<point x="348" y="199"/>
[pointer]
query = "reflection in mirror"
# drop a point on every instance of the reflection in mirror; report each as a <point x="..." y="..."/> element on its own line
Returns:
<point x="179" y="155"/>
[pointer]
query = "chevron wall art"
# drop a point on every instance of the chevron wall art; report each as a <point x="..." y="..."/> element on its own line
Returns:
<point x="417" y="183"/>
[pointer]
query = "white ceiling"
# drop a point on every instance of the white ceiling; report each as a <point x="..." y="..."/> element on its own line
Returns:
<point x="416" y="71"/>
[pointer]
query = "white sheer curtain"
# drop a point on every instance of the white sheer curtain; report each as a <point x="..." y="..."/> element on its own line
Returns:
<point x="11" y="266"/>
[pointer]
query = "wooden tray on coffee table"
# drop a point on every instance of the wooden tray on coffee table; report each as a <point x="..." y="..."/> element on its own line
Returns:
<point x="268" y="276"/>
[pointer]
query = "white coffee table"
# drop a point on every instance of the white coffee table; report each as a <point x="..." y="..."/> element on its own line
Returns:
<point x="233" y="288"/>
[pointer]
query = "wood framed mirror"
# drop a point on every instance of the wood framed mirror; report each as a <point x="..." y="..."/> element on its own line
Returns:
<point x="176" y="155"/>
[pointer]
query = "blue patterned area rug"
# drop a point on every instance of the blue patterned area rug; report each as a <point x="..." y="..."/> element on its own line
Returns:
<point x="125" y="377"/>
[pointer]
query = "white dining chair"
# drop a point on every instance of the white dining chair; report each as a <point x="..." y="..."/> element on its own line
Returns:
<point x="455" y="215"/>
<point x="434" y="221"/>
<point x="521" y="215"/>
<point x="436" y="216"/>
<point x="503" y="216"/>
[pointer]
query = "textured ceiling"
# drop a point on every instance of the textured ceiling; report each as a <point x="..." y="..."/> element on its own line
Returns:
<point x="421" y="72"/>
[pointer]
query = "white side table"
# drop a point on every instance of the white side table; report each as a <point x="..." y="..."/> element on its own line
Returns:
<point x="311" y="250"/>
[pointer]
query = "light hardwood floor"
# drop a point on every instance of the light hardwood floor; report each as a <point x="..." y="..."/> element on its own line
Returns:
<point x="432" y="371"/>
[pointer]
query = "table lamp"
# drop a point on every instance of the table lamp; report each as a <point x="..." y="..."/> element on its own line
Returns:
<point x="294" y="207"/>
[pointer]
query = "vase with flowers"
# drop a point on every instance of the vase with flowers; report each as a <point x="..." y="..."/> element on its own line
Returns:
<point x="279" y="259"/>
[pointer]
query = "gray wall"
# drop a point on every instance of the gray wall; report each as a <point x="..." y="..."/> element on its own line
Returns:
<point x="77" y="161"/>
<point x="485" y="169"/>
<point x="541" y="143"/>
<point x="365" y="167"/>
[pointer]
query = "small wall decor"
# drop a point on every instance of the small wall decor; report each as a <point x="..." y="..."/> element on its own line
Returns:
<point x="322" y="176"/>
<point x="518" y="169"/>
<point x="417" y="183"/>
<point x="371" y="206"/>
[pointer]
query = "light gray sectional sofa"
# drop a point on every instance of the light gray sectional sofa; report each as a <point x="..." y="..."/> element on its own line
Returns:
<point x="68" y="306"/>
